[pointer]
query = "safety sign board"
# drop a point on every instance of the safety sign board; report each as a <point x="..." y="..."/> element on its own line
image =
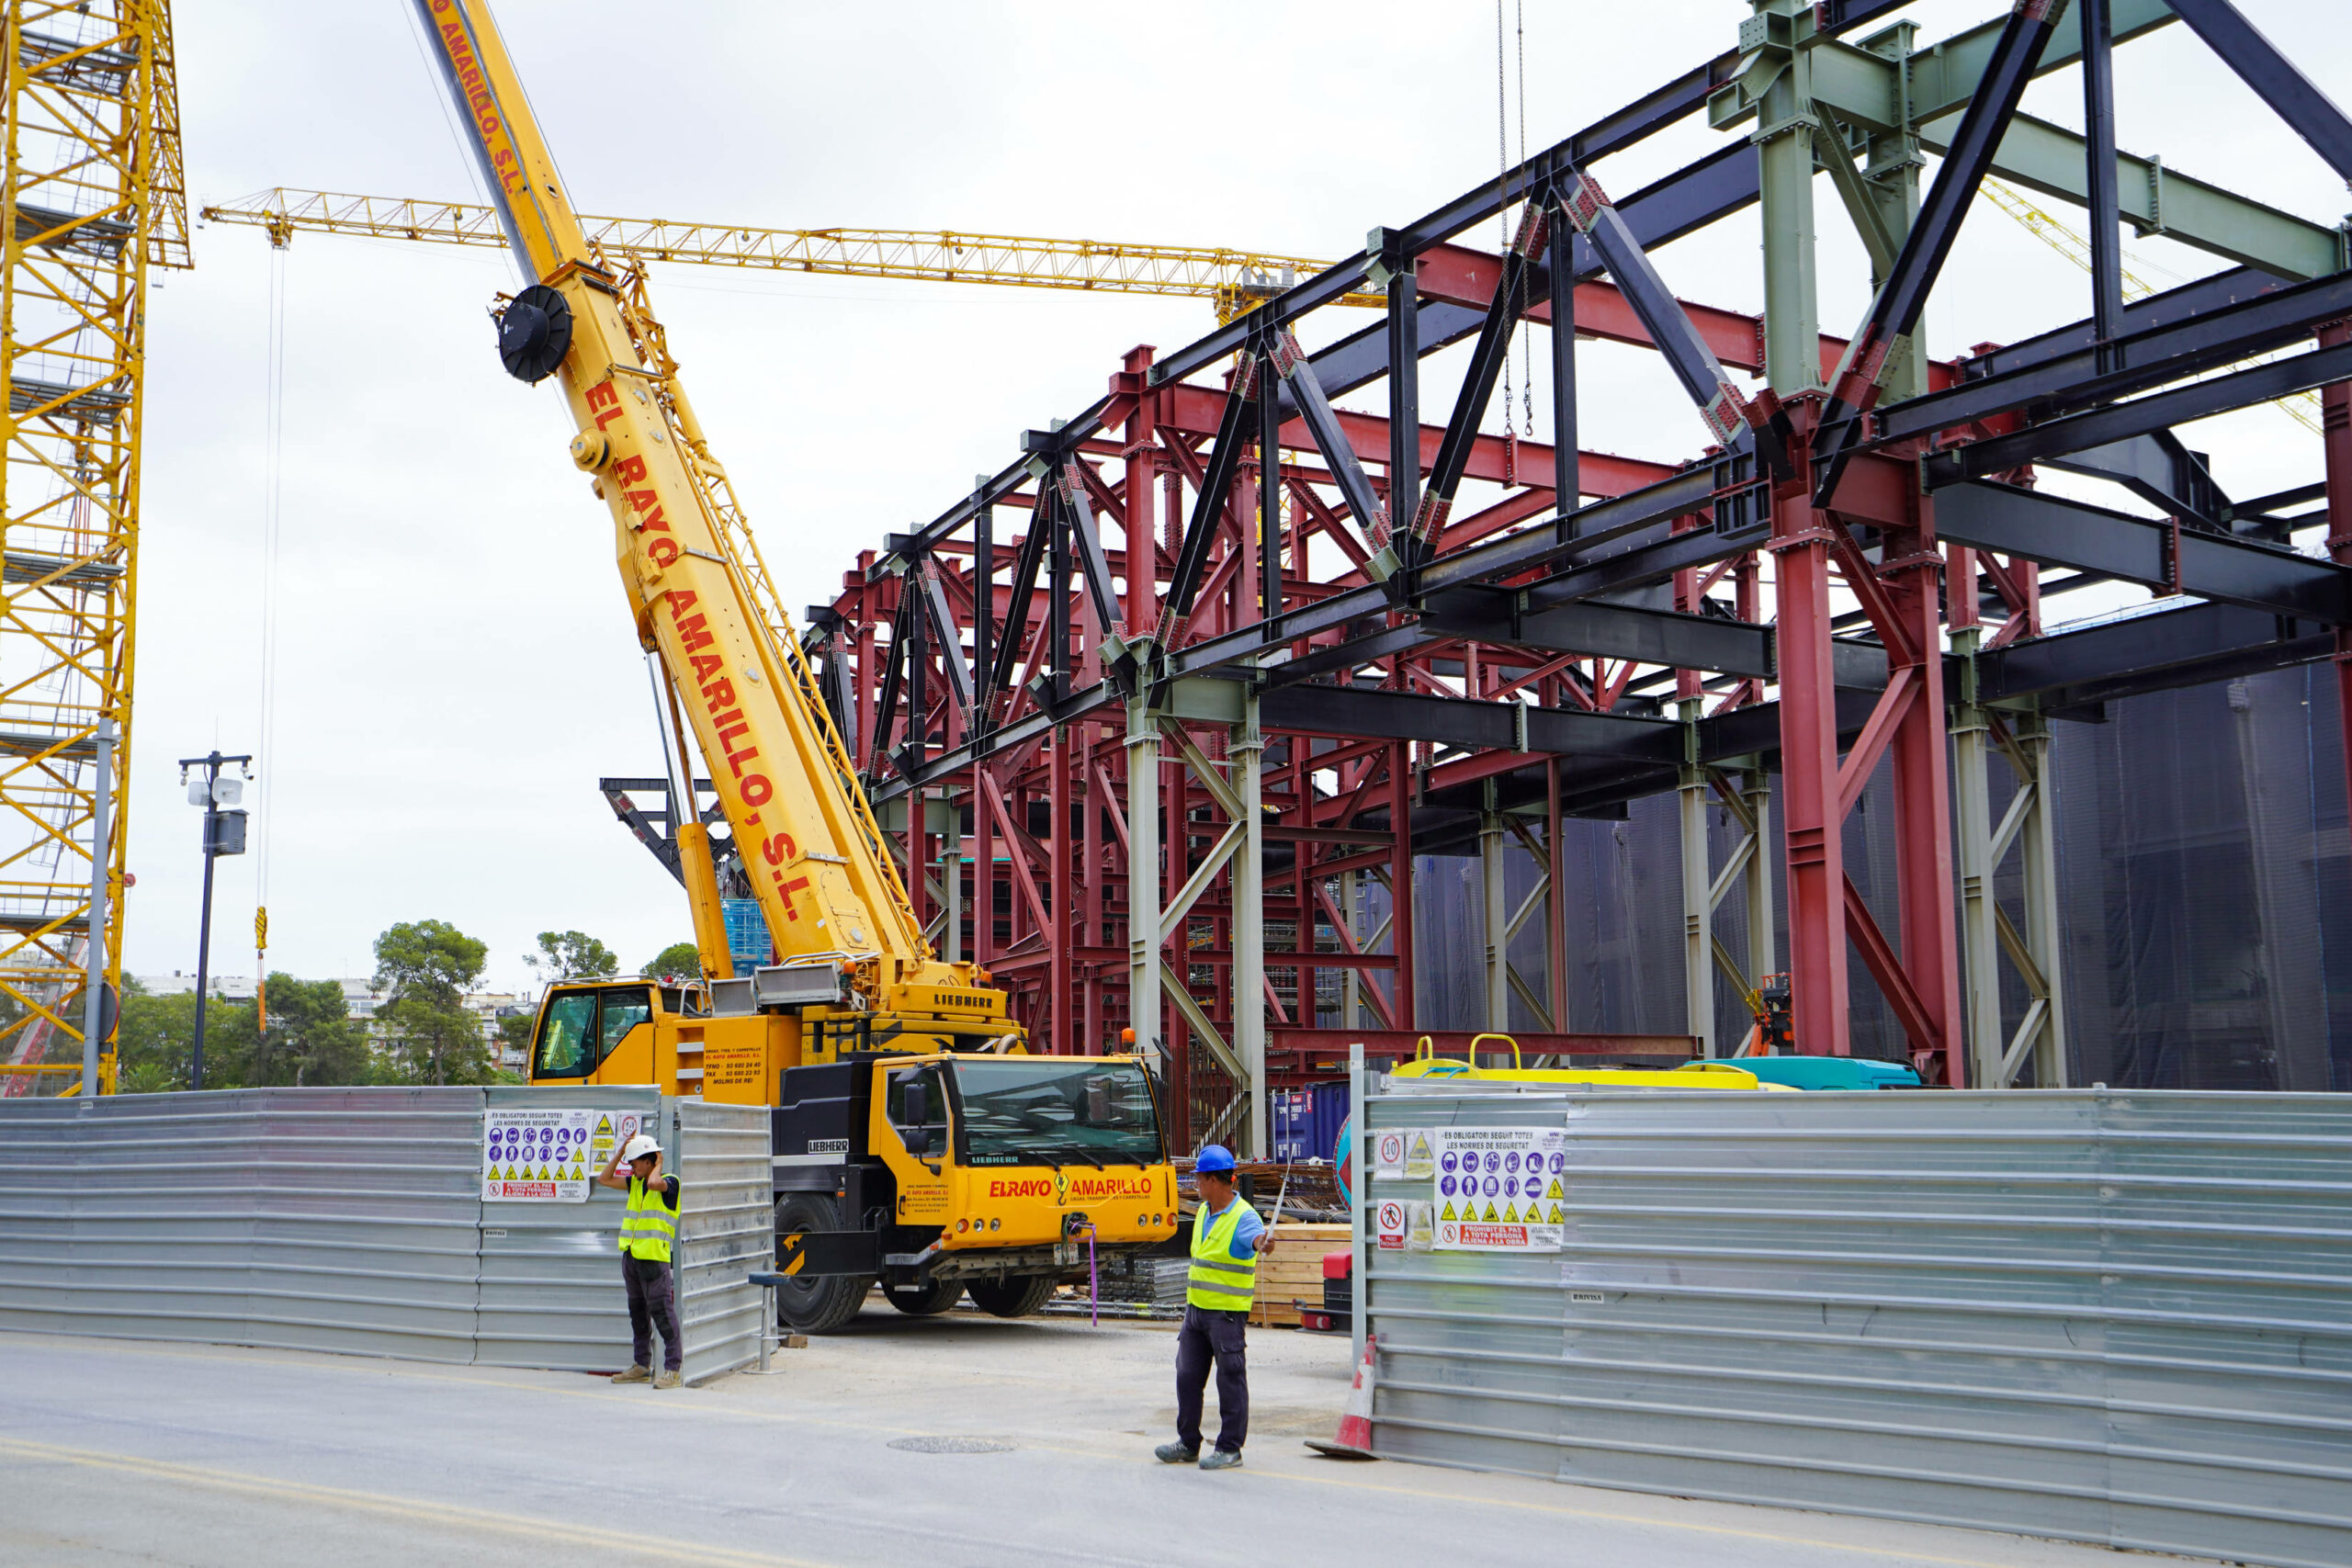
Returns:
<point x="1388" y="1153"/>
<point x="1501" y="1189"/>
<point x="1392" y="1225"/>
<point x="549" y="1156"/>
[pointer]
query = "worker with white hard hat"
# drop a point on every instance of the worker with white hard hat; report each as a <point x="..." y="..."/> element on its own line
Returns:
<point x="648" y="1230"/>
<point x="1228" y="1236"/>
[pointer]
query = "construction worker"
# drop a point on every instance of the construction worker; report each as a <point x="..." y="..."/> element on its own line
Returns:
<point x="648" y="1231"/>
<point x="1227" y="1237"/>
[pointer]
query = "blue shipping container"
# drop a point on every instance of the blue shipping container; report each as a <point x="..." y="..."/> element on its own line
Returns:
<point x="1307" y="1121"/>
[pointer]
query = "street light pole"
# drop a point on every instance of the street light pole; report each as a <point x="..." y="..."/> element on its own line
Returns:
<point x="224" y="834"/>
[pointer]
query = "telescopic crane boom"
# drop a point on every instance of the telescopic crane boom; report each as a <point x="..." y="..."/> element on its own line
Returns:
<point x="807" y="837"/>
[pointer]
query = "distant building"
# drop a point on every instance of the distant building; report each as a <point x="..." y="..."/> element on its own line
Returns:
<point x="360" y="1000"/>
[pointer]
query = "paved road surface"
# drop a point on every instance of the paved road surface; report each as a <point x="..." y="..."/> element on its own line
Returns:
<point x="122" y="1453"/>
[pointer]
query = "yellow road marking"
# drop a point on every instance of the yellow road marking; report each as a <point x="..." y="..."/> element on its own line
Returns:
<point x="412" y="1510"/>
<point x="638" y="1402"/>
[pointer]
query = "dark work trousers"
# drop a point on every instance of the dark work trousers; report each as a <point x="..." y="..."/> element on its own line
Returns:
<point x="1208" y="1334"/>
<point x="653" y="1304"/>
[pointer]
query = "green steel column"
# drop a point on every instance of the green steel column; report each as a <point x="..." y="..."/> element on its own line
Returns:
<point x="1784" y="153"/>
<point x="1247" y="749"/>
<point x="1143" y="879"/>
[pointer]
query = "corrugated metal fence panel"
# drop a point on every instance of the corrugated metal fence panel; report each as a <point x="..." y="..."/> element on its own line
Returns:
<point x="726" y="1230"/>
<point x="333" y="1219"/>
<point x="551" y="1291"/>
<point x="2123" y="1318"/>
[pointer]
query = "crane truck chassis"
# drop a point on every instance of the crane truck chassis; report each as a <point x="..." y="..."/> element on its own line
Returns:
<point x="928" y="1155"/>
<point x="916" y="1143"/>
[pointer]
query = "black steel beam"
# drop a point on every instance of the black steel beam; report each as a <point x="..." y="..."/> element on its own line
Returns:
<point x="2141" y="416"/>
<point x="1600" y="226"/>
<point x="1605" y="631"/>
<point x="1314" y="409"/>
<point x="1472" y="725"/>
<point x="2158" y="652"/>
<point x="2307" y="112"/>
<point x="1477" y="390"/>
<point x="2097" y="29"/>
<point x="2173" y="349"/>
<point x="663" y="846"/>
<point x="2211" y="566"/>
<point x="2158" y="469"/>
<point x="943" y="631"/>
<point x="1092" y="564"/>
<point x="1208" y="506"/>
<point x="1886" y="331"/>
<point x="885" y="705"/>
<point x="1010" y="646"/>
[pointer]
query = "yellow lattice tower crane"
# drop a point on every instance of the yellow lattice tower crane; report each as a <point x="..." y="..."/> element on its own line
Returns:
<point x="94" y="199"/>
<point x="1232" y="280"/>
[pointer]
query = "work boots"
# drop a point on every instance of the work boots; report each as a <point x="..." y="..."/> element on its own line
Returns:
<point x="667" y="1380"/>
<point x="635" y="1374"/>
<point x="1175" y="1453"/>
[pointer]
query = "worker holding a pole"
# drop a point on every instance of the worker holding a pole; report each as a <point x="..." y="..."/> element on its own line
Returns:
<point x="648" y="1231"/>
<point x="1227" y="1237"/>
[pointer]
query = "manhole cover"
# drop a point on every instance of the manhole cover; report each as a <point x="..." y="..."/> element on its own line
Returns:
<point x="952" y="1446"/>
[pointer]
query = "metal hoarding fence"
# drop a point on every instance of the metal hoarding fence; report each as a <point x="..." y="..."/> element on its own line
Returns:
<point x="2116" y="1316"/>
<point x="551" y="1292"/>
<point x="726" y="1230"/>
<point x="327" y="1219"/>
<point x="353" y="1220"/>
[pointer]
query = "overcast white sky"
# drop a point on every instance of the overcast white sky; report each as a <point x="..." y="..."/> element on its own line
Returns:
<point x="457" y="666"/>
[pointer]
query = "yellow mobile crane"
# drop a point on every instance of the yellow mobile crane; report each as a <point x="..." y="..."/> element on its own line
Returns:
<point x="916" y="1142"/>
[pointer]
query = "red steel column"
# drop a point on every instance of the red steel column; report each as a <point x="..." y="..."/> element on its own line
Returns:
<point x="1923" y="845"/>
<point x="1091" y="933"/>
<point x="1062" y="896"/>
<point x="1400" y="878"/>
<point x="1809" y="814"/>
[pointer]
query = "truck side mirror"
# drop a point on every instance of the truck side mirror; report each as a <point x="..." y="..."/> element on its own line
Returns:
<point x="915" y="1105"/>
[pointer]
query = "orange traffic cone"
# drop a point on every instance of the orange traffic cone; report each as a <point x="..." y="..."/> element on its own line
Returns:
<point x="1354" y="1440"/>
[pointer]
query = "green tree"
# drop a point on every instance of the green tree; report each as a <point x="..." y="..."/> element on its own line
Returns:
<point x="573" y="955"/>
<point x="312" y="1039"/>
<point x="683" y="959"/>
<point x="515" y="1032"/>
<point x="155" y="1036"/>
<point x="430" y="1036"/>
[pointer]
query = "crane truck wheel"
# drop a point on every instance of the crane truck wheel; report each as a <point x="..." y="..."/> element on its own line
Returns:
<point x="1016" y="1297"/>
<point x="830" y="1301"/>
<point x="924" y="1301"/>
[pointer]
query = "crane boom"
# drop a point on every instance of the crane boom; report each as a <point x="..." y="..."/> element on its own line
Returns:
<point x="807" y="837"/>
<point x="1233" y="279"/>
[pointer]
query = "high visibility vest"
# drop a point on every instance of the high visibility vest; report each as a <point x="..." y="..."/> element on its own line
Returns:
<point x="652" y="1222"/>
<point x="1219" y="1281"/>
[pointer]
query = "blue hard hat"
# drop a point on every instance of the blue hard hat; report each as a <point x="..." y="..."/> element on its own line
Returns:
<point x="1214" y="1158"/>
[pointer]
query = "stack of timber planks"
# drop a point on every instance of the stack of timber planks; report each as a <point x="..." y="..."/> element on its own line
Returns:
<point x="1292" y="1272"/>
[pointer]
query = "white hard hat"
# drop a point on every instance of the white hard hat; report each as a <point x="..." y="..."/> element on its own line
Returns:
<point x="637" y="1148"/>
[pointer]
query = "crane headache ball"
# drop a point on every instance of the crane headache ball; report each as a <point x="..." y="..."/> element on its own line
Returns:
<point x="534" y="333"/>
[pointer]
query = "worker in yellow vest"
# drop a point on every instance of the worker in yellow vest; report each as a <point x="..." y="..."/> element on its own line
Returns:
<point x="1228" y="1238"/>
<point x="649" y="1231"/>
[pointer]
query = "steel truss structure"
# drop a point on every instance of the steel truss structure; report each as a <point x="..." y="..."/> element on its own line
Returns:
<point x="94" y="198"/>
<point x="1166" y="707"/>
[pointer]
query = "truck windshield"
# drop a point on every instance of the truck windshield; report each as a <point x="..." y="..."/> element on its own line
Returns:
<point x="1048" y="1111"/>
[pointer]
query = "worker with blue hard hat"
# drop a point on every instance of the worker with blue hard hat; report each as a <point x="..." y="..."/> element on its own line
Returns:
<point x="1227" y="1237"/>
